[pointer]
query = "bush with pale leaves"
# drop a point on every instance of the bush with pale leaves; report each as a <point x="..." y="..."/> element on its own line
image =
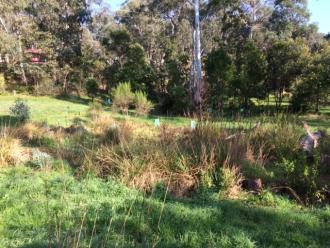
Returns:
<point x="142" y="105"/>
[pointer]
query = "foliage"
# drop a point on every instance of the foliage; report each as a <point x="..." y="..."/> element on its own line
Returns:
<point x="21" y="110"/>
<point x="251" y="49"/>
<point x="285" y="64"/>
<point x="314" y="86"/>
<point x="45" y="87"/>
<point x="91" y="87"/>
<point x="191" y="155"/>
<point x="142" y="105"/>
<point x="243" y="76"/>
<point x="250" y="74"/>
<point x="220" y="73"/>
<point x="122" y="97"/>
<point x="230" y="182"/>
<point x="178" y="99"/>
<point x="117" y="134"/>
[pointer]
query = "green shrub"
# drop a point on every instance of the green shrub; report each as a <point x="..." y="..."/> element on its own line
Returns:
<point x="230" y="182"/>
<point x="300" y="175"/>
<point x="122" y="97"/>
<point x="91" y="87"/>
<point x="20" y="110"/>
<point x="142" y="105"/>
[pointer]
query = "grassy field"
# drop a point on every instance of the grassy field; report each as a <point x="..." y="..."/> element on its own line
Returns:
<point x="114" y="184"/>
<point x="63" y="111"/>
<point x="54" y="111"/>
<point x="42" y="208"/>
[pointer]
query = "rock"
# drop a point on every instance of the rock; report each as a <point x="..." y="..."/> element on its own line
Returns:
<point x="56" y="129"/>
<point x="252" y="184"/>
<point x="75" y="129"/>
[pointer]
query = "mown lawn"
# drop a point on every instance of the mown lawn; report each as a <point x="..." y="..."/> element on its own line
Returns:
<point x="54" y="111"/>
<point x="52" y="208"/>
<point x="63" y="111"/>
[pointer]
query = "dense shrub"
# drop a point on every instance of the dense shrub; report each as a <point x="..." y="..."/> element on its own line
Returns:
<point x="122" y="97"/>
<point x="20" y="110"/>
<point x="91" y="87"/>
<point x="230" y="182"/>
<point x="142" y="105"/>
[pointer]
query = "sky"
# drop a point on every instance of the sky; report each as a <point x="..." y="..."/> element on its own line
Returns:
<point x="320" y="12"/>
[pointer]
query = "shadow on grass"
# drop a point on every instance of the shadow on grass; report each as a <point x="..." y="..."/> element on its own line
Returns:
<point x="207" y="222"/>
<point x="75" y="99"/>
<point x="38" y="244"/>
<point x="215" y="223"/>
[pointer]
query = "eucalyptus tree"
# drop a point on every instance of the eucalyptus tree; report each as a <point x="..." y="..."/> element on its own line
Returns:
<point x="288" y="16"/>
<point x="175" y="17"/>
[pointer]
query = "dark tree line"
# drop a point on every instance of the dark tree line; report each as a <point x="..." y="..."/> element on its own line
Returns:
<point x="250" y="50"/>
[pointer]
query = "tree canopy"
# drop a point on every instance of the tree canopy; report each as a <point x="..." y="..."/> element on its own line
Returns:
<point x="250" y="49"/>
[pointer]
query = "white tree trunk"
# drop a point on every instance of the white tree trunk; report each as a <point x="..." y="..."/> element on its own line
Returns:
<point x="21" y="60"/>
<point x="197" y="63"/>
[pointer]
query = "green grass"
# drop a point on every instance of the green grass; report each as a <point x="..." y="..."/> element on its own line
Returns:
<point x="62" y="112"/>
<point x="43" y="108"/>
<point x="50" y="207"/>
<point x="42" y="208"/>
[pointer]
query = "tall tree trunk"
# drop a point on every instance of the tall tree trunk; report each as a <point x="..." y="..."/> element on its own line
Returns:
<point x="197" y="63"/>
<point x="21" y="61"/>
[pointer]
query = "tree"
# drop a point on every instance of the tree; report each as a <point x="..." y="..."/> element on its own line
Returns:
<point x="285" y="64"/>
<point x="220" y="73"/>
<point x="197" y="85"/>
<point x="250" y="74"/>
<point x="91" y="87"/>
<point x="288" y="17"/>
<point x="313" y="88"/>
